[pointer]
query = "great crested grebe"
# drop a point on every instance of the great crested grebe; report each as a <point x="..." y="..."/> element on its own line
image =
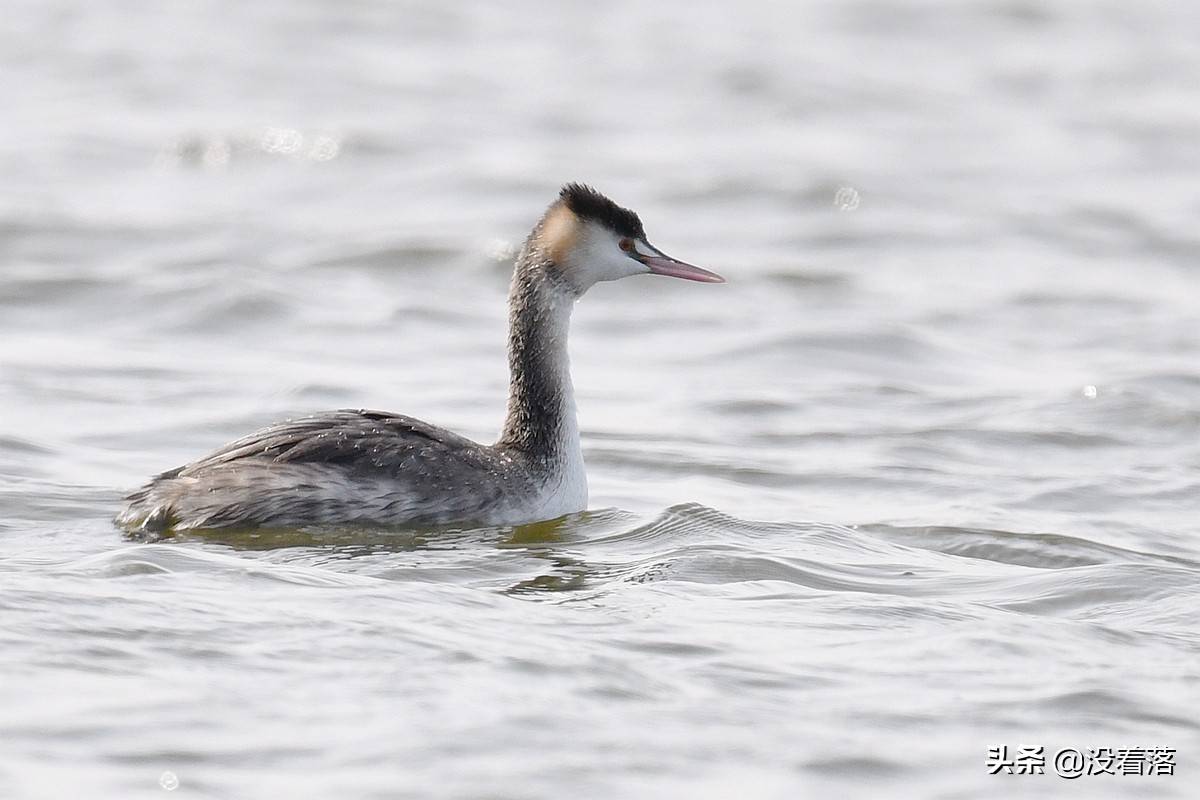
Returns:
<point x="372" y="467"/>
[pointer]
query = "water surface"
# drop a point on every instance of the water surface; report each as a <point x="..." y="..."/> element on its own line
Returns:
<point x="922" y="479"/>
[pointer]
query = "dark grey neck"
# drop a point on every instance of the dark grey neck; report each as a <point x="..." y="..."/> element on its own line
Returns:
<point x="541" y="404"/>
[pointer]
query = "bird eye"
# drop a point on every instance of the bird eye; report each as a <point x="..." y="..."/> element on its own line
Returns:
<point x="626" y="245"/>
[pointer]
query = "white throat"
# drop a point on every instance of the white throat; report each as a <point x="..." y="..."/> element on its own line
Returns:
<point x="541" y="423"/>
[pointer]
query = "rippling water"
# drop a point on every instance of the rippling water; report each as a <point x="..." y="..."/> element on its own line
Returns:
<point x="921" y="480"/>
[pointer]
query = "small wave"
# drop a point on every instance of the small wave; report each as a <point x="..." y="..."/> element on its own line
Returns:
<point x="1077" y="300"/>
<point x="1104" y="706"/>
<point x="16" y="444"/>
<point x="1040" y="550"/>
<point x="809" y="280"/>
<point x="951" y="573"/>
<point x="885" y="345"/>
<point x="36" y="290"/>
<point x="692" y="521"/>
<point x="391" y="257"/>
<point x="239" y="311"/>
<point x="167" y="559"/>
<point x="1079" y="591"/>
<point x="34" y="500"/>
<point x="1041" y="574"/>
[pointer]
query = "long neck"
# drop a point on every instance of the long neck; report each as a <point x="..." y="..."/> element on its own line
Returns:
<point x="541" y="402"/>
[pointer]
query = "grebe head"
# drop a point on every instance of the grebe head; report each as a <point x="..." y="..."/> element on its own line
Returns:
<point x="591" y="239"/>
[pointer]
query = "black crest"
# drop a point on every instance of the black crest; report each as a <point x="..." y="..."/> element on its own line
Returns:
<point x="587" y="203"/>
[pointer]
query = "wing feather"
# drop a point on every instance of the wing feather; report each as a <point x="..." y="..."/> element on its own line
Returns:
<point x="338" y="466"/>
<point x="348" y="437"/>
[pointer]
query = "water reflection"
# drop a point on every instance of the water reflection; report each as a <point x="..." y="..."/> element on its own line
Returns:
<point x="518" y="560"/>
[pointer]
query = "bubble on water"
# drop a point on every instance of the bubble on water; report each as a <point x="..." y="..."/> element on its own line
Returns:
<point x="501" y="250"/>
<point x="324" y="148"/>
<point x="216" y="154"/>
<point x="169" y="781"/>
<point x="286" y="141"/>
<point x="1090" y="392"/>
<point x="846" y="198"/>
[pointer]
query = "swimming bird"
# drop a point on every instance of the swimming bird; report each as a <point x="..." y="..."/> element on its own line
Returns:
<point x="378" y="468"/>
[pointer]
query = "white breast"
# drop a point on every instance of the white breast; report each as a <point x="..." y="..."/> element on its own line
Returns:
<point x="566" y="489"/>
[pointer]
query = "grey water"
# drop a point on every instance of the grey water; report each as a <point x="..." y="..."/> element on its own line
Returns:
<point x="923" y="479"/>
